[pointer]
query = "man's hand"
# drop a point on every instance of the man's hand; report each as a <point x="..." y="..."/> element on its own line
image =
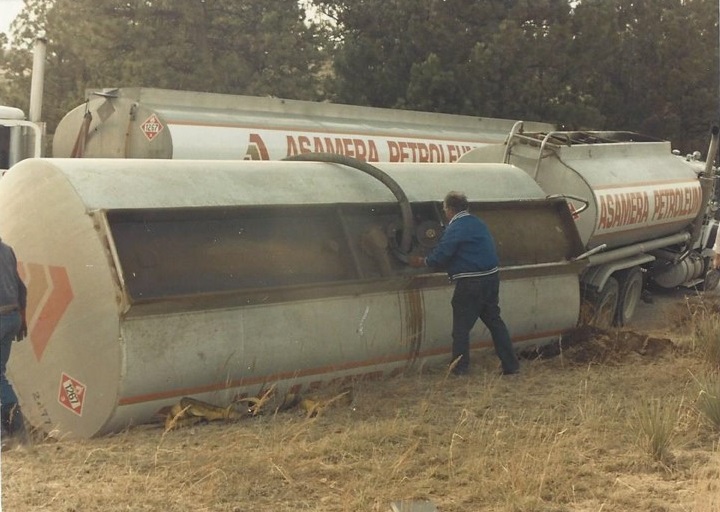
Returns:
<point x="716" y="260"/>
<point x="416" y="261"/>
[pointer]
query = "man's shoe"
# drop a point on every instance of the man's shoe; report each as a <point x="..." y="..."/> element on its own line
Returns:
<point x="514" y="372"/>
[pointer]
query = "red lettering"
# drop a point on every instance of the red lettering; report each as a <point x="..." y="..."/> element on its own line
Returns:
<point x="611" y="210"/>
<point x="602" y="223"/>
<point x="394" y="150"/>
<point x="327" y="148"/>
<point x="304" y="143"/>
<point x="404" y="155"/>
<point x="257" y="150"/>
<point x="360" y="149"/>
<point x="423" y="153"/>
<point x="435" y="153"/>
<point x="412" y="146"/>
<point x="373" y="153"/>
<point x="292" y="148"/>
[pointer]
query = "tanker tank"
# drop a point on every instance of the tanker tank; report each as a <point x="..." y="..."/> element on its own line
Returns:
<point x="636" y="188"/>
<point x="151" y="280"/>
<point x="643" y="213"/>
<point x="157" y="123"/>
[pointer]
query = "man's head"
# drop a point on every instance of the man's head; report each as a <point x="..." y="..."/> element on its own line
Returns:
<point x="454" y="203"/>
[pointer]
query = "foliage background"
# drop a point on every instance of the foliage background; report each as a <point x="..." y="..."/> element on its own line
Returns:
<point x="649" y="66"/>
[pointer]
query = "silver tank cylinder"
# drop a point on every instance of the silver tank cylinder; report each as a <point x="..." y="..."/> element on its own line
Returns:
<point x="635" y="187"/>
<point x="158" y="123"/>
<point x="152" y="280"/>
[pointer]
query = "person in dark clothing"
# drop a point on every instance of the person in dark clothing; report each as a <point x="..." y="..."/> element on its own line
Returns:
<point x="13" y="300"/>
<point x="467" y="251"/>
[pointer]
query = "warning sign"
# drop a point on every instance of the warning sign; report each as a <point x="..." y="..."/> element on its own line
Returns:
<point x="151" y="127"/>
<point x="72" y="394"/>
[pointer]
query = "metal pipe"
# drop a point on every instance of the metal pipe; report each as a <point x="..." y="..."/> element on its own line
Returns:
<point x="542" y="148"/>
<point x="516" y="127"/>
<point x="632" y="250"/>
<point x="38" y="80"/>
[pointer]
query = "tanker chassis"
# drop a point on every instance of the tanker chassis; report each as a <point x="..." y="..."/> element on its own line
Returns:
<point x="644" y="214"/>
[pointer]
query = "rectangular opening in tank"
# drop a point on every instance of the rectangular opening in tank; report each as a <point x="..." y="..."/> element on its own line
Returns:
<point x="165" y="253"/>
<point x="168" y="252"/>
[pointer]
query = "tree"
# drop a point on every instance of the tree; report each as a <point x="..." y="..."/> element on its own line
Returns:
<point x="646" y="66"/>
<point x="258" y="47"/>
<point x="657" y="73"/>
<point x="383" y="44"/>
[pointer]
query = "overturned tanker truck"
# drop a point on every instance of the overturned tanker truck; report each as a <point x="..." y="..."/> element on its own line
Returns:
<point x="148" y="283"/>
<point x="645" y="214"/>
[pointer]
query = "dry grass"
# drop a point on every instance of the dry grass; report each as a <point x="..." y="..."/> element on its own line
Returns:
<point x="705" y="325"/>
<point x="563" y="436"/>
<point x="708" y="401"/>
<point x="656" y="421"/>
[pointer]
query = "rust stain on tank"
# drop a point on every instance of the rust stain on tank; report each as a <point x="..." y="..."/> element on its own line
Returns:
<point x="412" y="306"/>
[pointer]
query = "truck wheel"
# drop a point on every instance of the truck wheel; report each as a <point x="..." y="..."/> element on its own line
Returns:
<point x="605" y="304"/>
<point x="631" y="286"/>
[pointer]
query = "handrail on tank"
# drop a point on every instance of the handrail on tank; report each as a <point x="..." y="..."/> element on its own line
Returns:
<point x="585" y="206"/>
<point x="632" y="250"/>
<point x="542" y="147"/>
<point x="513" y="131"/>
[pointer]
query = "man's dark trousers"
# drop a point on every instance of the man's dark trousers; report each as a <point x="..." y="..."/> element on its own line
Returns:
<point x="477" y="297"/>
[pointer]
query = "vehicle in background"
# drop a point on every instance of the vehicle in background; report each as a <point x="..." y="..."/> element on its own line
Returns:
<point x="644" y="214"/>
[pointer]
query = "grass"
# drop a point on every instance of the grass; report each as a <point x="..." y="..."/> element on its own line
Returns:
<point x="656" y="422"/>
<point x="708" y="401"/>
<point x="561" y="437"/>
<point x="705" y="337"/>
<point x="706" y="333"/>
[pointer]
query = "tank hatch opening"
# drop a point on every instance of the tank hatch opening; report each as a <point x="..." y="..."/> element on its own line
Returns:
<point x="570" y="138"/>
<point x="265" y="254"/>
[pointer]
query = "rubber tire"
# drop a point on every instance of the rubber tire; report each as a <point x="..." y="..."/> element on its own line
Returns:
<point x="631" y="287"/>
<point x="606" y="303"/>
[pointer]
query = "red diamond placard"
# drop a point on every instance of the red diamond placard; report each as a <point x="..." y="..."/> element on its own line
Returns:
<point x="72" y="394"/>
<point x="152" y="127"/>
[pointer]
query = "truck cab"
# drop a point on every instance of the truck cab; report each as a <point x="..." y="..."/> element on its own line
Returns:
<point x="19" y="138"/>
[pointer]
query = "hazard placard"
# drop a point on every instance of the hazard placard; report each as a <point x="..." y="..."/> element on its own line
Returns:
<point x="72" y="393"/>
<point x="152" y="127"/>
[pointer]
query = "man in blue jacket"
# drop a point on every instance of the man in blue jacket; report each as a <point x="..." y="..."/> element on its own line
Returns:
<point x="467" y="251"/>
<point x="13" y="299"/>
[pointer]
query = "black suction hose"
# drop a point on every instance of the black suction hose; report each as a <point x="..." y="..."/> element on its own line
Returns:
<point x="384" y="178"/>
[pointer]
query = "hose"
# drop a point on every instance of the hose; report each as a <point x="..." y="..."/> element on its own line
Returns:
<point x="406" y="212"/>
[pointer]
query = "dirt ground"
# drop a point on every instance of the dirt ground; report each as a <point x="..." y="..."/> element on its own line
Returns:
<point x="564" y="436"/>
